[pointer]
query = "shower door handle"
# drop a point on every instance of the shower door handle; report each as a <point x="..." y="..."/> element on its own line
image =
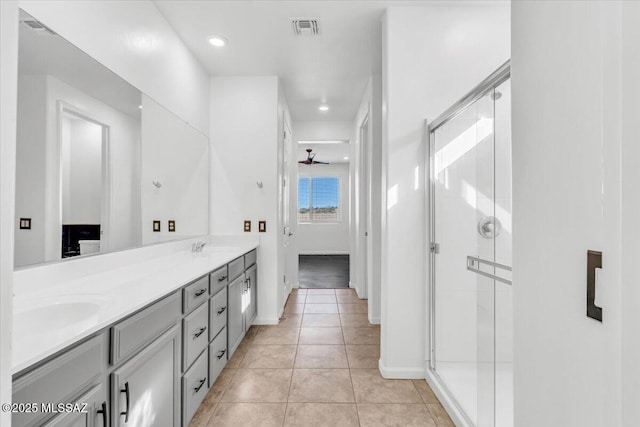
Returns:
<point x="594" y="261"/>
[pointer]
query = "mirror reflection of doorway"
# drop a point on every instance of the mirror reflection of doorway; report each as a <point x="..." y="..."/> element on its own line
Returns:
<point x="83" y="172"/>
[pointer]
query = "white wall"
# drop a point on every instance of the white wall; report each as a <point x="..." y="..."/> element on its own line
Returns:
<point x="177" y="156"/>
<point x="38" y="168"/>
<point x="81" y="172"/>
<point x="330" y="238"/>
<point x="431" y="57"/>
<point x="244" y="150"/>
<point x="572" y="103"/>
<point x="8" y="109"/>
<point x="371" y="107"/>
<point x="322" y="130"/>
<point x="31" y="168"/>
<point x="630" y="135"/>
<point x="135" y="41"/>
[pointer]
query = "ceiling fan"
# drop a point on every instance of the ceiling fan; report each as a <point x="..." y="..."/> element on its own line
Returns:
<point x="309" y="160"/>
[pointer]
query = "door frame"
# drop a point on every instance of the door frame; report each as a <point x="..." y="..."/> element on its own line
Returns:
<point x="54" y="201"/>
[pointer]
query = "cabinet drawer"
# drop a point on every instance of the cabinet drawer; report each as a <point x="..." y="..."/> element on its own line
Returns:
<point x="236" y="268"/>
<point x="140" y="329"/>
<point x="60" y="380"/>
<point x="250" y="259"/>
<point x="217" y="356"/>
<point x="194" y="388"/>
<point x="218" y="280"/>
<point x="194" y="335"/>
<point x="195" y="294"/>
<point x="217" y="313"/>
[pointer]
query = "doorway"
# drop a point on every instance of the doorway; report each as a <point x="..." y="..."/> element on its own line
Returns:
<point x="84" y="189"/>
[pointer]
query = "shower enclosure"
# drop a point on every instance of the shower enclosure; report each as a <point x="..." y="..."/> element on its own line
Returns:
<point x="471" y="323"/>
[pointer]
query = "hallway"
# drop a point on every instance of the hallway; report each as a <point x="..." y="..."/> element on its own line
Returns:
<point x="318" y="367"/>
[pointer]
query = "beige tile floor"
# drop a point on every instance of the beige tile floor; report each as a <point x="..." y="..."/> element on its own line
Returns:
<point x="318" y="367"/>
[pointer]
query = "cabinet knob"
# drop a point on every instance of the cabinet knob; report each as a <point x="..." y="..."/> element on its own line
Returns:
<point x="221" y="310"/>
<point x="219" y="356"/>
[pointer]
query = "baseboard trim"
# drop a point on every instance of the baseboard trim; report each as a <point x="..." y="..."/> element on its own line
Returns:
<point x="374" y="320"/>
<point x="454" y="413"/>
<point x="324" y="253"/>
<point x="266" y="321"/>
<point x="413" y="373"/>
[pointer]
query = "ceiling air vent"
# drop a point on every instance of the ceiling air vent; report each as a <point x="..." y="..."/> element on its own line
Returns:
<point x="305" y="26"/>
<point x="38" y="27"/>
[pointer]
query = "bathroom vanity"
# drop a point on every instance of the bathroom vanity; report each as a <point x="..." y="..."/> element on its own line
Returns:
<point x="147" y="356"/>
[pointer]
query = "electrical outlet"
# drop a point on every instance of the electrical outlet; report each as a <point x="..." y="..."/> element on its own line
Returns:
<point x="156" y="226"/>
<point x="247" y="226"/>
<point x="172" y="225"/>
<point x="25" y="223"/>
<point x="262" y="226"/>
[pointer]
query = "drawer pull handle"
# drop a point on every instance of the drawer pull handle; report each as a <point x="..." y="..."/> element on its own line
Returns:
<point x="202" y="381"/>
<point x="249" y="282"/>
<point x="126" y="397"/>
<point x="221" y="310"/>
<point x="200" y="332"/>
<point x="200" y="292"/>
<point x="103" y="411"/>
<point x="222" y="278"/>
<point x="219" y="356"/>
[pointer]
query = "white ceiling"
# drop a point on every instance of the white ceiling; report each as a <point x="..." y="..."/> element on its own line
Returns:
<point x="332" y="153"/>
<point x="43" y="53"/>
<point x="332" y="68"/>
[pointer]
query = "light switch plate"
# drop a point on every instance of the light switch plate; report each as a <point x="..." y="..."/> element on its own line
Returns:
<point x="262" y="226"/>
<point x="247" y="226"/>
<point x="172" y="225"/>
<point x="25" y="223"/>
<point x="156" y="226"/>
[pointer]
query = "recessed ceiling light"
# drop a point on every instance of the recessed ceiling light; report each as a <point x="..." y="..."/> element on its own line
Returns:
<point x="218" y="41"/>
<point x="346" y="158"/>
<point x="323" y="108"/>
<point x="140" y="106"/>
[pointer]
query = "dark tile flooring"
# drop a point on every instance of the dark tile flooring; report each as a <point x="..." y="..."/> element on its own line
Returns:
<point x="324" y="271"/>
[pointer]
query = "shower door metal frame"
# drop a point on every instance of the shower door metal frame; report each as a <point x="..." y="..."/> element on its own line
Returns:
<point x="499" y="76"/>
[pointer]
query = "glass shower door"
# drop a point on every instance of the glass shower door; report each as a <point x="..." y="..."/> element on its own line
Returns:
<point x="465" y="229"/>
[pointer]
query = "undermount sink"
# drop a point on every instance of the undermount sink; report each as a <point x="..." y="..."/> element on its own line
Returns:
<point x="57" y="316"/>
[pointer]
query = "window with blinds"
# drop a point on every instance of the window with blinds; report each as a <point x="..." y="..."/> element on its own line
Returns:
<point x="318" y="199"/>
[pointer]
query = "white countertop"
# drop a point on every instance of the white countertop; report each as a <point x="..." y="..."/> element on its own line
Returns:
<point x="53" y="318"/>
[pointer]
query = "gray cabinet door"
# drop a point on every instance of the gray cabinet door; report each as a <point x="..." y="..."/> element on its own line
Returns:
<point x="145" y="391"/>
<point x="252" y="293"/>
<point x="93" y="414"/>
<point x="236" y="315"/>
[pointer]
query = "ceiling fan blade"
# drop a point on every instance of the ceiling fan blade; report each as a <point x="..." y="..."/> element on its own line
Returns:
<point x="320" y="163"/>
<point x="312" y="156"/>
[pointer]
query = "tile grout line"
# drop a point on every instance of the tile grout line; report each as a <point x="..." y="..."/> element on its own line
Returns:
<point x="353" y="390"/>
<point x="293" y="368"/>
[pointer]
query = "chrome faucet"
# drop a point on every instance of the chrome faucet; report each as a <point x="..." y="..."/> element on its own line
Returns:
<point x="197" y="247"/>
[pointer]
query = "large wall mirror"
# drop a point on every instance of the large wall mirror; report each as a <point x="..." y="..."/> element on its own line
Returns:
<point x="100" y="166"/>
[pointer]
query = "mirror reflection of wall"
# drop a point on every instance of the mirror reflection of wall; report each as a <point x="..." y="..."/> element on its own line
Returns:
<point x="87" y="154"/>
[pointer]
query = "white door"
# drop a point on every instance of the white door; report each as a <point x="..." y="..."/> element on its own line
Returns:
<point x="289" y="261"/>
